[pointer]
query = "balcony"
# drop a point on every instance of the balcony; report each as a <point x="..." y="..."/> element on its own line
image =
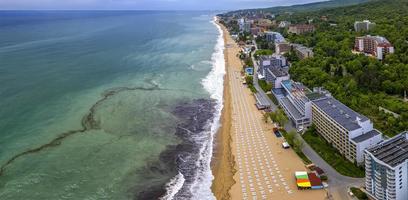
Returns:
<point x="390" y="173"/>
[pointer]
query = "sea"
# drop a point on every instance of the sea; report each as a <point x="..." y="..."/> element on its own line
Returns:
<point x="109" y="104"/>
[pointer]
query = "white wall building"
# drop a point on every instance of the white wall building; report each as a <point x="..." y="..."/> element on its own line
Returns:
<point x="346" y="130"/>
<point x="386" y="167"/>
<point x="365" y="25"/>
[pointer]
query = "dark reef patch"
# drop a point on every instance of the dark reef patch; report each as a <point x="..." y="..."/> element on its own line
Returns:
<point x="194" y="132"/>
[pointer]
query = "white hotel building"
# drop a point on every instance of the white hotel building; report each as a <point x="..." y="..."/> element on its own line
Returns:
<point x="346" y="130"/>
<point x="386" y="167"/>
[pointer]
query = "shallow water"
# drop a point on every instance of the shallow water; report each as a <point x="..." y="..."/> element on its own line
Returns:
<point x="115" y="82"/>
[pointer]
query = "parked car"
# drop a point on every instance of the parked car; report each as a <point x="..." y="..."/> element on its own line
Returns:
<point x="285" y="145"/>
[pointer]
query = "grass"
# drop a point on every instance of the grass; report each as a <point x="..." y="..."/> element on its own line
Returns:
<point x="264" y="85"/>
<point x="359" y="194"/>
<point x="274" y="100"/>
<point x="301" y="155"/>
<point x="331" y="155"/>
<point x="262" y="52"/>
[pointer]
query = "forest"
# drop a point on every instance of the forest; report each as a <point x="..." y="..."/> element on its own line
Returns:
<point x="363" y="83"/>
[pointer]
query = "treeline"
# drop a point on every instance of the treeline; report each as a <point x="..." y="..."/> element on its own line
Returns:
<point x="360" y="82"/>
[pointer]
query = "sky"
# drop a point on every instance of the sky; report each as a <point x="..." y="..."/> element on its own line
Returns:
<point x="143" y="4"/>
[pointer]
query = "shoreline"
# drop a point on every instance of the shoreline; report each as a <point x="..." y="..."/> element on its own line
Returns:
<point x="223" y="162"/>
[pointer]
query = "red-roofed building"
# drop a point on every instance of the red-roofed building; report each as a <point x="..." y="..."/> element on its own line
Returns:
<point x="376" y="46"/>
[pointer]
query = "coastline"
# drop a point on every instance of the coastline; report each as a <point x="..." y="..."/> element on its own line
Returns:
<point x="223" y="163"/>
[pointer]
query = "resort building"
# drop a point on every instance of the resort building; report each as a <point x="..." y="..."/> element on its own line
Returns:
<point x="346" y="130"/>
<point x="274" y="37"/>
<point x="269" y="62"/>
<point x="302" y="52"/>
<point x="265" y="24"/>
<point x="282" y="47"/>
<point x="244" y="25"/>
<point x="275" y="76"/>
<point x="293" y="98"/>
<point x="376" y="46"/>
<point x="284" y="24"/>
<point x="275" y="60"/>
<point x="363" y="26"/>
<point x="299" y="29"/>
<point x="386" y="167"/>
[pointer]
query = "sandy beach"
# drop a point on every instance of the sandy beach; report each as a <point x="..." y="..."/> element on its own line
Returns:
<point x="223" y="164"/>
<point x="249" y="161"/>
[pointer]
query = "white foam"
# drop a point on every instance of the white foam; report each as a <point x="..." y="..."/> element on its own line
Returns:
<point x="173" y="187"/>
<point x="214" y="84"/>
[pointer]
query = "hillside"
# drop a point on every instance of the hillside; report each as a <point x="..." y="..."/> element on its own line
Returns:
<point x="360" y="82"/>
<point x="303" y="7"/>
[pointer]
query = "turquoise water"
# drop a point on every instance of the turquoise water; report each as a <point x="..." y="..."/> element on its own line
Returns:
<point x="107" y="84"/>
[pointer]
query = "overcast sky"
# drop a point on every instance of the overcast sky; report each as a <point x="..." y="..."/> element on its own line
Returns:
<point x="145" y="4"/>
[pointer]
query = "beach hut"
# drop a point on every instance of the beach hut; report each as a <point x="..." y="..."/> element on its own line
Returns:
<point x="302" y="180"/>
<point x="316" y="182"/>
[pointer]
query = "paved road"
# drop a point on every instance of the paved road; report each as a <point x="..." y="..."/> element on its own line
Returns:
<point x="256" y="85"/>
<point x="338" y="184"/>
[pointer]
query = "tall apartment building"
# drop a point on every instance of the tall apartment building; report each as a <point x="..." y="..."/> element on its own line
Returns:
<point x="376" y="46"/>
<point x="301" y="28"/>
<point x="274" y="37"/>
<point x="366" y="25"/>
<point x="293" y="99"/>
<point x="244" y="25"/>
<point x="386" y="167"/>
<point x="346" y="130"/>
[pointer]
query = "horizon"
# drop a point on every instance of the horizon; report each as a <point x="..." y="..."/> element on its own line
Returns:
<point x="145" y="5"/>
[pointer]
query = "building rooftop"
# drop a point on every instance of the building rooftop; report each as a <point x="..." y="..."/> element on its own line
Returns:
<point x="292" y="109"/>
<point x="378" y="39"/>
<point x="278" y="91"/>
<point x="278" y="72"/>
<point x="393" y="151"/>
<point x="315" y="95"/>
<point x="340" y="113"/>
<point x="366" y="136"/>
<point x="261" y="100"/>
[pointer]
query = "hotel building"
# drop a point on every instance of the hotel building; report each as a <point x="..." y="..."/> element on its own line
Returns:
<point x="302" y="52"/>
<point x="275" y="76"/>
<point x="366" y="25"/>
<point x="386" y="167"/>
<point x="244" y="25"/>
<point x="346" y="130"/>
<point x="284" y="24"/>
<point x="301" y="28"/>
<point x="282" y="47"/>
<point x="293" y="99"/>
<point x="274" y="37"/>
<point x="376" y="46"/>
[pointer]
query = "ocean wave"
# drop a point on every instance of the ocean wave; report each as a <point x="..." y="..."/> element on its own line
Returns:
<point x="173" y="186"/>
<point x="198" y="185"/>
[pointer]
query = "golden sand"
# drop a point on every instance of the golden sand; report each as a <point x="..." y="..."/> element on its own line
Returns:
<point x="244" y="134"/>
